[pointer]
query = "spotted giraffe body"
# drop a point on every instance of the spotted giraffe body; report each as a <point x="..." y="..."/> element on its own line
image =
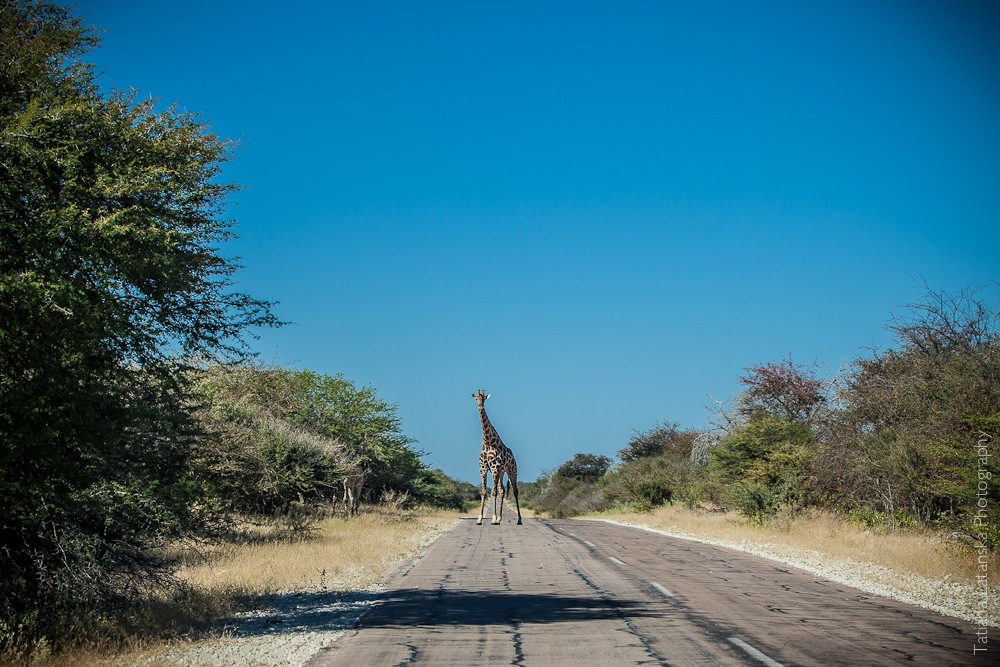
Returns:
<point x="496" y="459"/>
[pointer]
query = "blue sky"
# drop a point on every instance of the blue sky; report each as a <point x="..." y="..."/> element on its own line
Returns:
<point x="599" y="212"/>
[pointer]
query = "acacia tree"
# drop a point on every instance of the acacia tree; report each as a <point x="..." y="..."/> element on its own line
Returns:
<point x="758" y="456"/>
<point x="663" y="439"/>
<point x="585" y="467"/>
<point x="572" y="488"/>
<point x="284" y="435"/>
<point x="786" y="390"/>
<point x="902" y="447"/>
<point x="946" y="324"/>
<point x="111" y="218"/>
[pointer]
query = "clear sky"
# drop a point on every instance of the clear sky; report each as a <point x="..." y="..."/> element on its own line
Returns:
<point x="599" y="212"/>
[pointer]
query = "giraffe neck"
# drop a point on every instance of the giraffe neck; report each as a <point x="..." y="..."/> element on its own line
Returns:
<point x="487" y="426"/>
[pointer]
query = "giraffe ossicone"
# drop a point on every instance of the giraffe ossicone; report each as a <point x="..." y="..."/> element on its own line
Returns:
<point x="497" y="460"/>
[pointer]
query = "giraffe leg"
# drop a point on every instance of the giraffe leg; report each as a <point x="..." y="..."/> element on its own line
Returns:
<point x="482" y="505"/>
<point x="513" y="483"/>
<point x="498" y="500"/>
<point x="493" y="494"/>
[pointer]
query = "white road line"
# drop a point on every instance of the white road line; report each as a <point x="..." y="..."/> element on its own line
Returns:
<point x="661" y="589"/>
<point x="589" y="544"/>
<point x="615" y="560"/>
<point x="755" y="653"/>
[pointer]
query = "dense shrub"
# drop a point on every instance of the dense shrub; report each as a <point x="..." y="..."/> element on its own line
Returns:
<point x="762" y="467"/>
<point x="574" y="488"/>
<point x="649" y="482"/>
<point x="584" y="468"/>
<point x="436" y="489"/>
<point x="111" y="280"/>
<point x="662" y="439"/>
<point x="904" y="437"/>
<point x="284" y="438"/>
<point x="904" y="444"/>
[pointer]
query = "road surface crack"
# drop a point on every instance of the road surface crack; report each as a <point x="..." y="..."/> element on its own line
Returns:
<point x="411" y="659"/>
<point x="609" y="600"/>
<point x="518" y="643"/>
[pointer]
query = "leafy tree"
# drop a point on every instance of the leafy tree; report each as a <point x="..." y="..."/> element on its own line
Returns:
<point x="111" y="218"/>
<point x="572" y="488"/>
<point x="367" y="424"/>
<point x="655" y="469"/>
<point x="255" y="460"/>
<point x="902" y="447"/>
<point x="585" y="467"/>
<point x="648" y="482"/>
<point x="763" y="466"/>
<point x="286" y="436"/>
<point x="786" y="389"/>
<point x="665" y="438"/>
<point x="435" y="488"/>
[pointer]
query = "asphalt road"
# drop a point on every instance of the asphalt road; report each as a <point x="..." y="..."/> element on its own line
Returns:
<point x="564" y="592"/>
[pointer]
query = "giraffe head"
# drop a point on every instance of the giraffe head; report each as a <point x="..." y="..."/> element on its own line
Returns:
<point x="480" y="397"/>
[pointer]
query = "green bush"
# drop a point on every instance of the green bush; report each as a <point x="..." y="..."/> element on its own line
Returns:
<point x="762" y="467"/>
<point x="904" y="442"/>
<point x="648" y="482"/>
<point x="562" y="496"/>
<point x="584" y="468"/>
<point x="436" y="489"/>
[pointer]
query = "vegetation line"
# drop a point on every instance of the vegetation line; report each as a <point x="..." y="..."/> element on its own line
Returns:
<point x="901" y="441"/>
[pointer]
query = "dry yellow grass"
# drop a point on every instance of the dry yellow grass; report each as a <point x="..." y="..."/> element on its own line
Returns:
<point x="340" y="555"/>
<point x="927" y="554"/>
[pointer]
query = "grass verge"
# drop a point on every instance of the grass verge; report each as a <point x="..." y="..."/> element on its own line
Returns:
<point x="339" y="555"/>
<point x="223" y="579"/>
<point x="926" y="553"/>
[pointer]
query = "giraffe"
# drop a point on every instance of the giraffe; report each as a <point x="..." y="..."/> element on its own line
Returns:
<point x="496" y="459"/>
<point x="352" y="471"/>
<point x="354" y="480"/>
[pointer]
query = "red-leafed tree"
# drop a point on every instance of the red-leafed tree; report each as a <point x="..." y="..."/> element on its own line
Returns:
<point x="785" y="389"/>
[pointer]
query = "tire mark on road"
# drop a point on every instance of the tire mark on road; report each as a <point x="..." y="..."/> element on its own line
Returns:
<point x="829" y="614"/>
<point x="609" y="599"/>
<point x="710" y="626"/>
